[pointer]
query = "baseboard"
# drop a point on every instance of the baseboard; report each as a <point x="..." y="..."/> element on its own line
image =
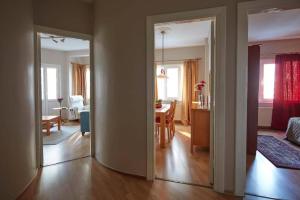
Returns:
<point x="28" y="184"/>
<point x="264" y="127"/>
<point x="178" y="122"/>
<point x="118" y="171"/>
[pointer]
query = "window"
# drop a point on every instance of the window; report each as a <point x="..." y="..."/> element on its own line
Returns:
<point x="267" y="77"/>
<point x="170" y="88"/>
<point x="50" y="86"/>
<point x="52" y="83"/>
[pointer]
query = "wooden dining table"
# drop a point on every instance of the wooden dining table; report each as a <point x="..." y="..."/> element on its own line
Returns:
<point x="161" y="113"/>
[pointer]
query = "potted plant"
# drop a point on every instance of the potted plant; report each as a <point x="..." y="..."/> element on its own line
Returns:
<point x="158" y="103"/>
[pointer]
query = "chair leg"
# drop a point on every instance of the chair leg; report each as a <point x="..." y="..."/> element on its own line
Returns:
<point x="168" y="130"/>
<point x="173" y="127"/>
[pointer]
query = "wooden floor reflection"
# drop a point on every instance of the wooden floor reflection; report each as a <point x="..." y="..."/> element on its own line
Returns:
<point x="176" y="163"/>
<point x="76" y="146"/>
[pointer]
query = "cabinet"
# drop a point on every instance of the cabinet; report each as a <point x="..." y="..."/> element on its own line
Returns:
<point x="200" y="127"/>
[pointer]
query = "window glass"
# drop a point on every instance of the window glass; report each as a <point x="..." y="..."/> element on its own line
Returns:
<point x="52" y="83"/>
<point x="42" y="83"/>
<point x="169" y="88"/>
<point x="268" y="81"/>
<point x="173" y="83"/>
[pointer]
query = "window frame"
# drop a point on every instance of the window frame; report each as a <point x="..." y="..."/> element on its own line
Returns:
<point x="261" y="100"/>
<point x="178" y="66"/>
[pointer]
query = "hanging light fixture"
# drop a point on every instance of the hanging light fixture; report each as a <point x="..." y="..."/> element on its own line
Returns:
<point x="163" y="71"/>
<point x="54" y="38"/>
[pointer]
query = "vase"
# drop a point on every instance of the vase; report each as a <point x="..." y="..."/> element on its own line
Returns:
<point x="200" y="100"/>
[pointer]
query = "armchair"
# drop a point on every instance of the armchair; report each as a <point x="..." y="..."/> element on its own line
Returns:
<point x="76" y="106"/>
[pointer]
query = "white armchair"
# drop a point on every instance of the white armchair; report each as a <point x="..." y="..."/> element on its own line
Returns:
<point x="76" y="106"/>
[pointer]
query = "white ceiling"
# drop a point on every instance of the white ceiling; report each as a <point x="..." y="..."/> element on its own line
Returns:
<point x="70" y="44"/>
<point x="182" y="34"/>
<point x="274" y="26"/>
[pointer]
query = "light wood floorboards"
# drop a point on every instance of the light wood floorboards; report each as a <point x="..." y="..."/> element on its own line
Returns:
<point x="176" y="163"/>
<point x="87" y="179"/>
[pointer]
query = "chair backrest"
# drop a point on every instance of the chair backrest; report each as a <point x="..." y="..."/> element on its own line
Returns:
<point x="171" y="113"/>
<point x="173" y="109"/>
<point x="76" y="101"/>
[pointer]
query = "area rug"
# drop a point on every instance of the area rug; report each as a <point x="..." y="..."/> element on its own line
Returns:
<point x="278" y="152"/>
<point x="57" y="137"/>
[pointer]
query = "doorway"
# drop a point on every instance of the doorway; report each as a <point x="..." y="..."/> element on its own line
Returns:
<point x="64" y="74"/>
<point x="183" y="61"/>
<point x="263" y="46"/>
<point x="217" y="96"/>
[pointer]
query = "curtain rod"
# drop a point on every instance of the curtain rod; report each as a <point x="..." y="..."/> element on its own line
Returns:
<point x="177" y="60"/>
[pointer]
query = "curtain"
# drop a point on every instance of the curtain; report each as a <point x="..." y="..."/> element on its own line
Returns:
<point x="286" y="103"/>
<point x="79" y="80"/>
<point x="190" y="78"/>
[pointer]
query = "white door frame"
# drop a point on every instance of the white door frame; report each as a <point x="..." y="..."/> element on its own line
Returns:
<point x="37" y="75"/>
<point x="244" y="9"/>
<point x="219" y="14"/>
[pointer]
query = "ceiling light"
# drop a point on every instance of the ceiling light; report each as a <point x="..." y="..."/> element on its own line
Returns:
<point x="272" y="10"/>
<point x="163" y="31"/>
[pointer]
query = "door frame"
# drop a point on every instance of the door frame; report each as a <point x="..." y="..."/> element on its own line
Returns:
<point x="219" y="14"/>
<point x="244" y="9"/>
<point x="37" y="83"/>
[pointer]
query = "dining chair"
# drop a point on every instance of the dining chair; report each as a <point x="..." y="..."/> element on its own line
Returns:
<point x="170" y="125"/>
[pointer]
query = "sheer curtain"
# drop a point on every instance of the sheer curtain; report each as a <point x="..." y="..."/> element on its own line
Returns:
<point x="190" y="78"/>
<point x="79" y="80"/>
<point x="286" y="103"/>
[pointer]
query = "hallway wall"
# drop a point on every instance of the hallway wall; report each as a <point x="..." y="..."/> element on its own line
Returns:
<point x="17" y="138"/>
<point x="120" y="68"/>
<point x="69" y="15"/>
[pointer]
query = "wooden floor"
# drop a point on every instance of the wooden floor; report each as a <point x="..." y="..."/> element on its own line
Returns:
<point x="76" y="146"/>
<point x="265" y="179"/>
<point x="87" y="179"/>
<point x="176" y="163"/>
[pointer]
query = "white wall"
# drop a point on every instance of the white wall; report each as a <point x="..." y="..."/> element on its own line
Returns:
<point x="182" y="54"/>
<point x="70" y="15"/>
<point x="120" y="62"/>
<point x="269" y="49"/>
<point x="64" y="59"/>
<point x="17" y="119"/>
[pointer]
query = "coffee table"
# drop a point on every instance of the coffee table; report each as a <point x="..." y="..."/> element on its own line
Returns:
<point x="51" y="118"/>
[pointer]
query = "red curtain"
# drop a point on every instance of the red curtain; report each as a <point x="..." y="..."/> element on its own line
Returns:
<point x="286" y="103"/>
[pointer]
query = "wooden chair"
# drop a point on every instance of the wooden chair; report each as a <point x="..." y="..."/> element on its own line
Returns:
<point x="170" y="125"/>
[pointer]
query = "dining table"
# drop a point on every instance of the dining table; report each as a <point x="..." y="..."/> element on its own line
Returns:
<point x="162" y="113"/>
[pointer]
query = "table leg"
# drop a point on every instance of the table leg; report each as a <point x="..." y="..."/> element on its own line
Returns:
<point x="162" y="131"/>
<point x="58" y="123"/>
<point x="48" y="126"/>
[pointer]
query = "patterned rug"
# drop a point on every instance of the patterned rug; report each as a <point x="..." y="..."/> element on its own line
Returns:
<point x="278" y="152"/>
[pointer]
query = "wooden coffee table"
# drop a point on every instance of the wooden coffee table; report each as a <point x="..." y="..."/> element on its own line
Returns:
<point x="52" y="118"/>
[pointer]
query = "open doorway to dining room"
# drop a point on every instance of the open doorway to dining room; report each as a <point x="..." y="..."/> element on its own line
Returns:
<point x="183" y="56"/>
<point x="64" y="97"/>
